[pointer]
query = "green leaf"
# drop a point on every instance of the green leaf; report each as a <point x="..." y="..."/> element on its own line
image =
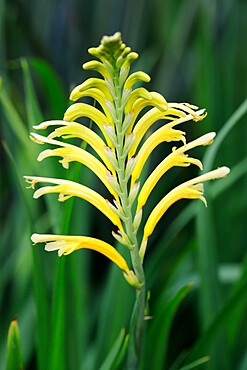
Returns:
<point x="121" y="354"/>
<point x="158" y="335"/>
<point x="112" y="356"/>
<point x="38" y="276"/>
<point x="210" y="155"/>
<point x="53" y="88"/>
<point x="32" y="106"/>
<point x="196" y="363"/>
<point x="13" y="118"/>
<point x="211" y="292"/>
<point x="202" y="346"/>
<point x="14" y="356"/>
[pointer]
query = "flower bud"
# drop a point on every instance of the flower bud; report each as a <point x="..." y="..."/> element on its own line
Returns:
<point x="143" y="250"/>
<point x="132" y="279"/>
<point x="137" y="220"/>
<point x="111" y="157"/>
<point x="127" y="121"/>
<point x="123" y="75"/>
<point x="129" y="141"/>
<point x="129" y="167"/>
<point x="110" y="131"/>
<point x="133" y="193"/>
<point x="121" y="240"/>
<point x="111" y="109"/>
<point x="113" y="182"/>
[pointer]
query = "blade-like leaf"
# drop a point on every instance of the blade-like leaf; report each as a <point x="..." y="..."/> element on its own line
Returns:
<point x="112" y="355"/>
<point x="157" y="341"/>
<point x="202" y="346"/>
<point x="34" y="115"/>
<point x="38" y="278"/>
<point x="53" y="88"/>
<point x="13" y="118"/>
<point x="14" y="356"/>
<point x="196" y="363"/>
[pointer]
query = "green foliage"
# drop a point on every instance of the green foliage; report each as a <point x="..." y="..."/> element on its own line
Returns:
<point x="14" y="356"/>
<point x="71" y="310"/>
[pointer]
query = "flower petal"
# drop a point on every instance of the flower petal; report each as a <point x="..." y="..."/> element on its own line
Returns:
<point x="98" y="67"/>
<point x="136" y="77"/>
<point x="136" y="94"/>
<point x="176" y="158"/>
<point x="100" y="98"/>
<point x="84" y="110"/>
<point x="191" y="189"/>
<point x="89" y="84"/>
<point x="67" y="244"/>
<point x="77" y="130"/>
<point x="67" y="189"/>
<point x="154" y="115"/>
<point x="82" y="156"/>
<point x="159" y="136"/>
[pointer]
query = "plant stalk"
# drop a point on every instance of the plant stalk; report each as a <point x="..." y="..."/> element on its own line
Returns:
<point x="137" y="319"/>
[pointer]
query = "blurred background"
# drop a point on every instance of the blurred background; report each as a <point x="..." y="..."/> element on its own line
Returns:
<point x="70" y="311"/>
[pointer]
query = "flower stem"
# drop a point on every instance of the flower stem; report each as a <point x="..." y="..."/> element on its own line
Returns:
<point x="137" y="319"/>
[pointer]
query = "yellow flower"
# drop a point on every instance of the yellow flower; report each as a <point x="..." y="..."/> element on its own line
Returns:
<point x="192" y="189"/>
<point x="68" y="244"/>
<point x="122" y="153"/>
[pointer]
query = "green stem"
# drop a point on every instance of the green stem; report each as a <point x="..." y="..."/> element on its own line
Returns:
<point x="137" y="320"/>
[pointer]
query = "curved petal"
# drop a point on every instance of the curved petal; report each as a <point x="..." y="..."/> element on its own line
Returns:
<point x="136" y="77"/>
<point x="154" y="115"/>
<point x="101" y="99"/>
<point x="76" y="130"/>
<point x="84" y="110"/>
<point x="159" y="136"/>
<point x="98" y="67"/>
<point x="89" y="84"/>
<point x="192" y="189"/>
<point x="45" y="124"/>
<point x="157" y="101"/>
<point x="176" y="158"/>
<point x="68" y="189"/>
<point x="67" y="244"/>
<point x="136" y="94"/>
<point x="188" y="108"/>
<point x="82" y="156"/>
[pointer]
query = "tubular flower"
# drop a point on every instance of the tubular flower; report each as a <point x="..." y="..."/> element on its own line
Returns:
<point x="122" y="153"/>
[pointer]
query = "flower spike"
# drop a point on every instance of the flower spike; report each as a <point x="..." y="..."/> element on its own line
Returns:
<point x="121" y="151"/>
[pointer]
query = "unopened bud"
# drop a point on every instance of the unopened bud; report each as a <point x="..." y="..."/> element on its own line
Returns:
<point x="125" y="96"/>
<point x="130" y="167"/>
<point x="133" y="193"/>
<point x="129" y="141"/>
<point x="123" y="75"/>
<point x="110" y="131"/>
<point x="111" y="87"/>
<point x="132" y="279"/>
<point x="122" y="241"/>
<point x="113" y="182"/>
<point x="111" y="157"/>
<point x="143" y="250"/>
<point x="127" y="121"/>
<point x="137" y="220"/>
<point x="114" y="209"/>
<point x="111" y="109"/>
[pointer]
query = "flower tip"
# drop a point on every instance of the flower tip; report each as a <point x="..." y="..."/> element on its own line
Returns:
<point x="208" y="138"/>
<point x="224" y="171"/>
<point x="35" y="238"/>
